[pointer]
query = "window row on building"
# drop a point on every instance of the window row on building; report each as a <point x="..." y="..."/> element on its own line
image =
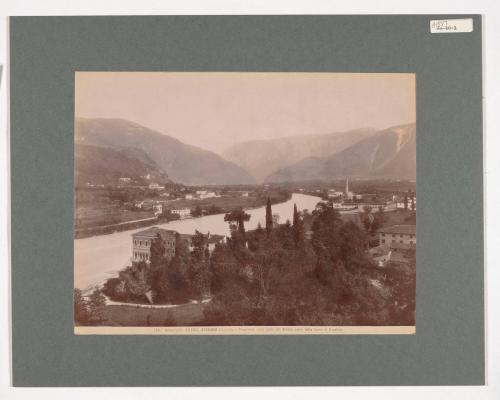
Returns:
<point x="401" y="241"/>
<point x="147" y="243"/>
<point x="141" y="256"/>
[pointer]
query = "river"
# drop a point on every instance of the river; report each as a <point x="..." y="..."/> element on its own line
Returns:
<point x="98" y="258"/>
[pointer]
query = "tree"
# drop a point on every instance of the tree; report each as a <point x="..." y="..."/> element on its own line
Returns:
<point x="378" y="220"/>
<point x="168" y="215"/>
<point x="325" y="239"/>
<point x="197" y="211"/>
<point x="276" y="219"/>
<point x="269" y="217"/>
<point x="367" y="218"/>
<point x="179" y="288"/>
<point x="286" y="235"/>
<point x="157" y="251"/>
<point x="297" y="227"/>
<point x="81" y="312"/>
<point x="295" y="214"/>
<point x="213" y="209"/>
<point x="160" y="285"/>
<point x="200" y="274"/>
<point x="406" y="201"/>
<point x="238" y="217"/>
<point x="97" y="305"/>
<point x="199" y="243"/>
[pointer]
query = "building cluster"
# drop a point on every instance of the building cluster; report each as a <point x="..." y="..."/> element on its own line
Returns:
<point x="347" y="200"/>
<point x="397" y="245"/>
<point x="142" y="242"/>
<point x="201" y="195"/>
<point x="150" y="205"/>
<point x="158" y="206"/>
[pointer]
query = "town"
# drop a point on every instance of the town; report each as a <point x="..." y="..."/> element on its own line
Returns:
<point x="132" y="204"/>
<point x="386" y="243"/>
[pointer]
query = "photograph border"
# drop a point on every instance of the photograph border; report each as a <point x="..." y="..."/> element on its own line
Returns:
<point x="449" y="346"/>
<point x="114" y="327"/>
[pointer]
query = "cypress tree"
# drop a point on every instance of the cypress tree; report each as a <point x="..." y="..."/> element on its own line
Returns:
<point x="297" y="227"/>
<point x="295" y="215"/>
<point x="269" y="217"/>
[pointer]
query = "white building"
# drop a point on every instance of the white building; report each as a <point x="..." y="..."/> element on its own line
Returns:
<point x="157" y="208"/>
<point x="155" y="186"/>
<point x="334" y="193"/>
<point x="182" y="212"/>
<point x="207" y="195"/>
<point x="401" y="204"/>
<point x="189" y="197"/>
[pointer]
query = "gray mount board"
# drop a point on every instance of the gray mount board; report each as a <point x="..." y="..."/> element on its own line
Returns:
<point x="45" y="52"/>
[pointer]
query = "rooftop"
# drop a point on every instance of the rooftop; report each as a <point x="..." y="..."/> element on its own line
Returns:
<point x="153" y="231"/>
<point x="401" y="229"/>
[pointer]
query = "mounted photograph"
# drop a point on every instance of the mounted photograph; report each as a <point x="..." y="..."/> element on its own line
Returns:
<point x="240" y="203"/>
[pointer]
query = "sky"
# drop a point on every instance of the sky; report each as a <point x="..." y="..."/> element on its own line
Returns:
<point x="214" y="110"/>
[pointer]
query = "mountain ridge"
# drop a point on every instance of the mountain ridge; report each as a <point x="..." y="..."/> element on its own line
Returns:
<point x="182" y="162"/>
<point x="389" y="153"/>
<point x="95" y="165"/>
<point x="264" y="156"/>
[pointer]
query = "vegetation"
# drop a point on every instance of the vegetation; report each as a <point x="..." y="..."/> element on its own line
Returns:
<point x="277" y="276"/>
<point x="89" y="310"/>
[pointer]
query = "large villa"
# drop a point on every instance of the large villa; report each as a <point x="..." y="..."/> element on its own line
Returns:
<point x="142" y="241"/>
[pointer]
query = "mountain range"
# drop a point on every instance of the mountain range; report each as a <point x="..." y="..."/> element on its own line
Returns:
<point x="390" y="153"/>
<point x="181" y="162"/>
<point x="107" y="149"/>
<point x="262" y="158"/>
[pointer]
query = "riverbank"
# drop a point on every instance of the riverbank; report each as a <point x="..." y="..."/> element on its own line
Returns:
<point x="224" y="205"/>
<point x="81" y="233"/>
<point x="99" y="258"/>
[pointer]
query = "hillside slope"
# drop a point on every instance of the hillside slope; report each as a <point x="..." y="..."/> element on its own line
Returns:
<point x="390" y="153"/>
<point x="263" y="157"/>
<point x="96" y="165"/>
<point x="181" y="162"/>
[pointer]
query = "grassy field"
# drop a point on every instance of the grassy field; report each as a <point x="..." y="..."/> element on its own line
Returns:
<point x="112" y="217"/>
<point x="185" y="315"/>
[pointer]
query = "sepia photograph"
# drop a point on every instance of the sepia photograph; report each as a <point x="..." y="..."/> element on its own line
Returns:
<point x="244" y="203"/>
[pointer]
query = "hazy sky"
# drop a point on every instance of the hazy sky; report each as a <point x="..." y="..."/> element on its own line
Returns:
<point x="214" y="110"/>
